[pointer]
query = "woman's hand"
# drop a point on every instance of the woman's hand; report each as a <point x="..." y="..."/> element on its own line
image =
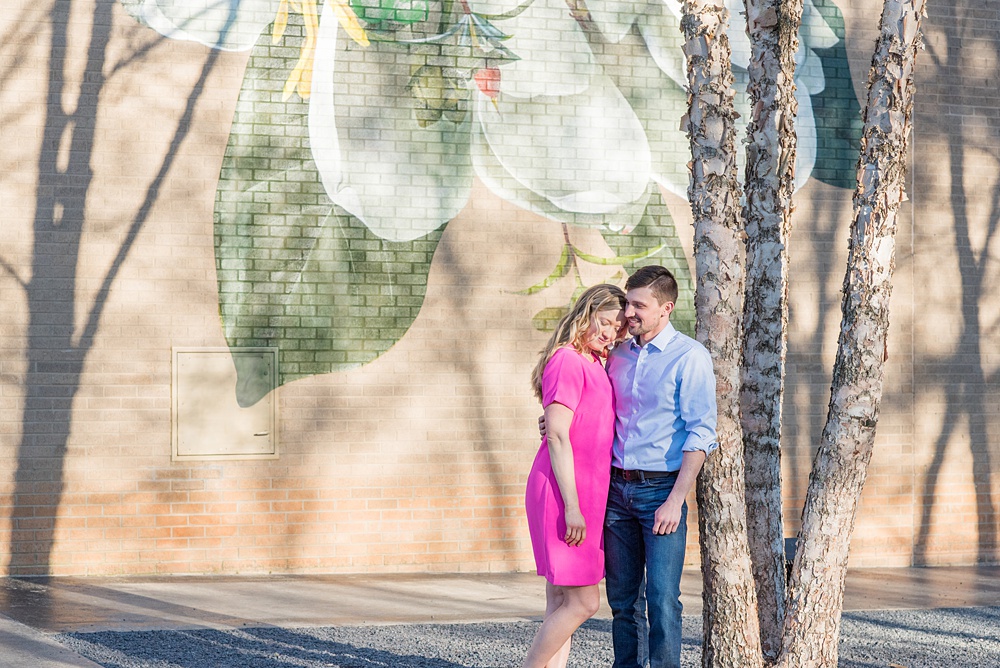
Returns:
<point x="576" y="527"/>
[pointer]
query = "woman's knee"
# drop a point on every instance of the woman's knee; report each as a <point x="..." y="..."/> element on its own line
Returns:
<point x="593" y="604"/>
<point x="586" y="601"/>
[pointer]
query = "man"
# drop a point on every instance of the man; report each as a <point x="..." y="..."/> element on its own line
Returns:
<point x="665" y="415"/>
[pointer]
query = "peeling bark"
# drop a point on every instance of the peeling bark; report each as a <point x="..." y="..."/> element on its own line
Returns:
<point x="731" y="635"/>
<point x="773" y="27"/>
<point x="812" y="622"/>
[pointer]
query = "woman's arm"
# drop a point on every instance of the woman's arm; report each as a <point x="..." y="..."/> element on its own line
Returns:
<point x="558" y="419"/>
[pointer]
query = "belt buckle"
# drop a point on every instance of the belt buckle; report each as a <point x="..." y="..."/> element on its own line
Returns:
<point x="634" y="475"/>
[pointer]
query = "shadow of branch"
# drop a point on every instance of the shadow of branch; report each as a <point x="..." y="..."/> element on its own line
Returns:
<point x="54" y="361"/>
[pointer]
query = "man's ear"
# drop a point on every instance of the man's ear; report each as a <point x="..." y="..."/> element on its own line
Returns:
<point x="668" y="309"/>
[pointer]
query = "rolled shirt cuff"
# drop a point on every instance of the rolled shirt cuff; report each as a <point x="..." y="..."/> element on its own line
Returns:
<point x="704" y="443"/>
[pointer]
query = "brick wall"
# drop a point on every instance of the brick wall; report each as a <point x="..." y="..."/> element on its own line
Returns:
<point x="158" y="193"/>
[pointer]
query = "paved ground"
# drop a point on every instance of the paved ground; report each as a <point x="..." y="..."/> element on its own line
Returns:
<point x="913" y="617"/>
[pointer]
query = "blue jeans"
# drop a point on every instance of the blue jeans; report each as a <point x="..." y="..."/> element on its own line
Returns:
<point x="643" y="575"/>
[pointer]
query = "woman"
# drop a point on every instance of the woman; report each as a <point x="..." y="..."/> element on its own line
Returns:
<point x="567" y="488"/>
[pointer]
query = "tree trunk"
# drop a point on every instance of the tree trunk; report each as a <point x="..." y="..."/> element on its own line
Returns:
<point x="773" y="27"/>
<point x="731" y="635"/>
<point x="812" y="623"/>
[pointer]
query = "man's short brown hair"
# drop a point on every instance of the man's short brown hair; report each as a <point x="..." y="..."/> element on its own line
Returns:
<point x="656" y="278"/>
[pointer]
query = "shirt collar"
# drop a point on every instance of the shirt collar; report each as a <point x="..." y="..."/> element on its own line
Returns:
<point x="659" y="341"/>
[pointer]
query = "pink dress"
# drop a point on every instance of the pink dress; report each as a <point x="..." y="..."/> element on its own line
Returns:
<point x="582" y="385"/>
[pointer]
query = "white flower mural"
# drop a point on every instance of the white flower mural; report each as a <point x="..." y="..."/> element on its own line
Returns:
<point x="362" y="125"/>
<point x="567" y="123"/>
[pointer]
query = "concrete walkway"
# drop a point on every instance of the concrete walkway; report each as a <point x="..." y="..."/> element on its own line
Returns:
<point x="32" y="610"/>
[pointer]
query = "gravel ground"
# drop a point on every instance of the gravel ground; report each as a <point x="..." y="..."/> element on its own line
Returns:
<point x="950" y="638"/>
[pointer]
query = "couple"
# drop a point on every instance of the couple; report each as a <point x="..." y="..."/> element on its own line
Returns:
<point x="623" y="446"/>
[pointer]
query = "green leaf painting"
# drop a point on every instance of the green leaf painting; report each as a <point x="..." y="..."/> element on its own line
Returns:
<point x="295" y="271"/>
<point x="837" y="111"/>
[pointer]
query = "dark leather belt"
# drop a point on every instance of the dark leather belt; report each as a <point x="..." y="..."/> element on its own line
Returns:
<point x="636" y="474"/>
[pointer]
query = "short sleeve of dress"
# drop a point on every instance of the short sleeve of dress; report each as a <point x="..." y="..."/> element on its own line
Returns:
<point x="562" y="380"/>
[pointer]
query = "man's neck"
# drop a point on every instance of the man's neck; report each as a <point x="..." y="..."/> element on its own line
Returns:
<point x="649" y="336"/>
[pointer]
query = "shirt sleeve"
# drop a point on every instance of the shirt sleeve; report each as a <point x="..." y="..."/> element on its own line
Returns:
<point x="697" y="402"/>
<point x="562" y="380"/>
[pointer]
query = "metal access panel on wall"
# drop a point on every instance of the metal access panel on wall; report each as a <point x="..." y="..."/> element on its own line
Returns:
<point x="208" y="422"/>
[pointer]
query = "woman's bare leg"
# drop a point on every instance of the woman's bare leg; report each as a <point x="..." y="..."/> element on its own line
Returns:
<point x="551" y="643"/>
<point x="553" y="599"/>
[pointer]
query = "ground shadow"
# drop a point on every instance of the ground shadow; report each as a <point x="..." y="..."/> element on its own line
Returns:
<point x="273" y="648"/>
<point x="478" y="645"/>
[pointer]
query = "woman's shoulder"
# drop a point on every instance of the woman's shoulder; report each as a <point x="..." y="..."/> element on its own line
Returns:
<point x="564" y="359"/>
<point x="570" y="354"/>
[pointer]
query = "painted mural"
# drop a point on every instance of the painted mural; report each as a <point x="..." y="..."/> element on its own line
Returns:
<point x="362" y="124"/>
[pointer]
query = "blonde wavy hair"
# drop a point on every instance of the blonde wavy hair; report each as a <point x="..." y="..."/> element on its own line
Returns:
<point x="574" y="325"/>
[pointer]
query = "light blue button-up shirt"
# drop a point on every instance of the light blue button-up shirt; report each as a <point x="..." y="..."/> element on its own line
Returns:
<point x="664" y="401"/>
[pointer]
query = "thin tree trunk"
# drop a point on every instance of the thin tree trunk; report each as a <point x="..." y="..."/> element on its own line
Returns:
<point x="812" y="623"/>
<point x="773" y="27"/>
<point x="731" y="632"/>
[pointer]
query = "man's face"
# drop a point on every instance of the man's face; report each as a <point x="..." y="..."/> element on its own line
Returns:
<point x="646" y="316"/>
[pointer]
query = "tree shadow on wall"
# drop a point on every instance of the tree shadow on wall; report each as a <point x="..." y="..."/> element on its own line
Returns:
<point x="962" y="374"/>
<point x="828" y="231"/>
<point x="55" y="354"/>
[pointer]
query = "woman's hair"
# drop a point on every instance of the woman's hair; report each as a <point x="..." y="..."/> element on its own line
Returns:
<point x="574" y="325"/>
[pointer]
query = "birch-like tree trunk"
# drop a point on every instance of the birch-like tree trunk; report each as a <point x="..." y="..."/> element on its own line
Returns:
<point x="773" y="27"/>
<point x="812" y="621"/>
<point x="731" y="633"/>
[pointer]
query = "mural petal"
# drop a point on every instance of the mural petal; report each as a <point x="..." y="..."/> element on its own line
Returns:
<point x="614" y="18"/>
<point x="809" y="72"/>
<point x="805" y="131"/>
<point x="661" y="102"/>
<point x="231" y="25"/>
<point x="739" y="41"/>
<point x="583" y="153"/>
<point x="400" y="178"/>
<point x="555" y="58"/>
<point x="649" y="71"/>
<point x="815" y="32"/>
<point x="494" y="7"/>
<point x="661" y="31"/>
<point x="493" y="174"/>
